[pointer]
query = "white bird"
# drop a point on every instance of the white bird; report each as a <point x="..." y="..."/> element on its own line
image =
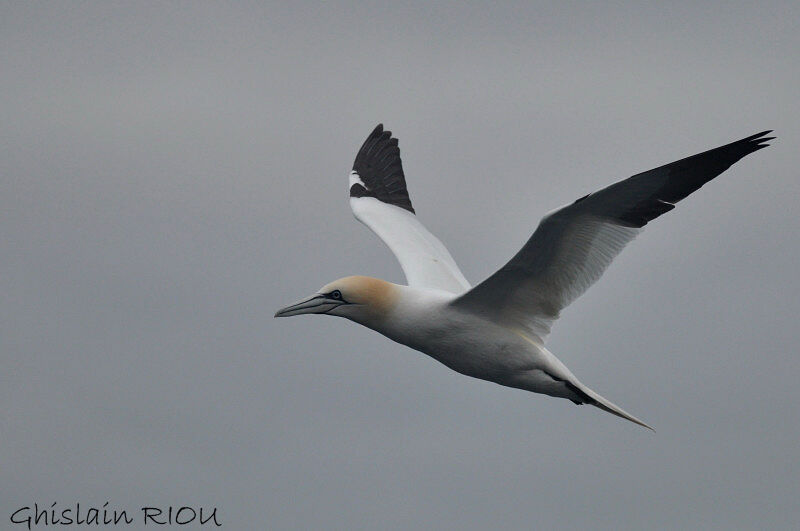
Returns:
<point x="496" y="330"/>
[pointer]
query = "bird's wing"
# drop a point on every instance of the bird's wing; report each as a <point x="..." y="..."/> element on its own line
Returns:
<point x="574" y="245"/>
<point x="379" y="199"/>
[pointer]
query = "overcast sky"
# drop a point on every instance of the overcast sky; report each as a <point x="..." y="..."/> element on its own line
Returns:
<point x="174" y="173"/>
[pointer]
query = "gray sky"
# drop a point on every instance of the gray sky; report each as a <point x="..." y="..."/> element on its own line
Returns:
<point x="173" y="174"/>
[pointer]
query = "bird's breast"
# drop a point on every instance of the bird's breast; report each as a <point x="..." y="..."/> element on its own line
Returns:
<point x="464" y="342"/>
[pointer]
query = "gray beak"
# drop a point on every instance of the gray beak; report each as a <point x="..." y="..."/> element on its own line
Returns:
<point x="314" y="304"/>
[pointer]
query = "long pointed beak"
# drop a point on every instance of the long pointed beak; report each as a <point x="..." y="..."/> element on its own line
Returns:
<point x="314" y="304"/>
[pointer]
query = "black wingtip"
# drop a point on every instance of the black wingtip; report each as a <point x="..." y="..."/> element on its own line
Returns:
<point x="762" y="133"/>
<point x="757" y="140"/>
<point x="679" y="179"/>
<point x="380" y="169"/>
<point x="752" y="143"/>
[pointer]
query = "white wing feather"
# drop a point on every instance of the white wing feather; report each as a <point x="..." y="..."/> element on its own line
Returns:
<point x="424" y="259"/>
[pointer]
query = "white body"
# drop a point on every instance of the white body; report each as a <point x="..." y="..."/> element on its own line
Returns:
<point x="425" y="320"/>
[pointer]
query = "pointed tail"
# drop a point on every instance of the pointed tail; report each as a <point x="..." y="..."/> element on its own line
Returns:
<point x="607" y="405"/>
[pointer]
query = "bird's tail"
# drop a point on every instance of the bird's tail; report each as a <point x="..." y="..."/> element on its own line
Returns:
<point x="607" y="405"/>
<point x="581" y="394"/>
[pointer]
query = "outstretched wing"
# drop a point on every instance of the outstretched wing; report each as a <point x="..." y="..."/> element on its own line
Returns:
<point x="574" y="245"/>
<point x="379" y="199"/>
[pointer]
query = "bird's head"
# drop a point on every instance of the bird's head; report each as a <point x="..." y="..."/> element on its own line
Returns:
<point x="361" y="299"/>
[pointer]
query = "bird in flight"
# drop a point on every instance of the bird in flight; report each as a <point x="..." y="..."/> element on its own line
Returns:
<point x="496" y="331"/>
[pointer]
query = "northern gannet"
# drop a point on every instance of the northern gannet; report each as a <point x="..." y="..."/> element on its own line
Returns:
<point x="496" y="330"/>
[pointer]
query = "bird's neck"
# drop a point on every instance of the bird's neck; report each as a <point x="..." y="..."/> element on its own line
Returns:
<point x="410" y="312"/>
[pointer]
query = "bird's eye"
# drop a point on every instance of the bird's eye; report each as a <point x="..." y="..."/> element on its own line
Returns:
<point x="336" y="295"/>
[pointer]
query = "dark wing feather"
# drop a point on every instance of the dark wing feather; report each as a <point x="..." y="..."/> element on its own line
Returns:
<point x="380" y="169"/>
<point x="645" y="196"/>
